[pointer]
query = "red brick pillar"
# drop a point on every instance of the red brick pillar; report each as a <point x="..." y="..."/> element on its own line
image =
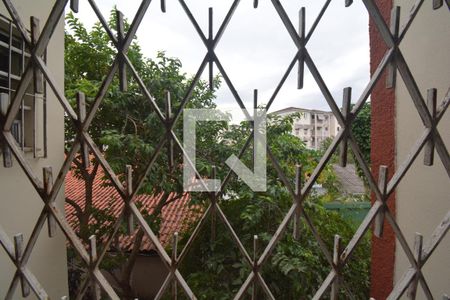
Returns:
<point x="382" y="153"/>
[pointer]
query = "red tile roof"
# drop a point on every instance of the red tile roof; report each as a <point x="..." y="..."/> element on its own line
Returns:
<point x="177" y="216"/>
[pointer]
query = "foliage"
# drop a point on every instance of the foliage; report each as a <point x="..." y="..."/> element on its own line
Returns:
<point x="126" y="127"/>
<point x="297" y="267"/>
<point x="361" y="132"/>
<point x="361" y="128"/>
<point x="127" y="130"/>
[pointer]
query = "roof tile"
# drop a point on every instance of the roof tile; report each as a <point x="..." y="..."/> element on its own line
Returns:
<point x="177" y="216"/>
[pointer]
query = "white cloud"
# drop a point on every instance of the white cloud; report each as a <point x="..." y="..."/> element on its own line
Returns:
<point x="256" y="48"/>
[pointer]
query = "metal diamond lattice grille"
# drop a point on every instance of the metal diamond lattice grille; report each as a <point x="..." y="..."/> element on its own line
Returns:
<point x="393" y="61"/>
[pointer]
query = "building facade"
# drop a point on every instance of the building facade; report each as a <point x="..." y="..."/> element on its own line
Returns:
<point x="422" y="199"/>
<point x="39" y="133"/>
<point x="313" y="127"/>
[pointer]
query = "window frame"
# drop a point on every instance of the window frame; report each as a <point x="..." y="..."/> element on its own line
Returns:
<point x="34" y="103"/>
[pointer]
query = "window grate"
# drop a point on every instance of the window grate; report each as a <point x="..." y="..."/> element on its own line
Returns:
<point x="337" y="259"/>
<point x="14" y="56"/>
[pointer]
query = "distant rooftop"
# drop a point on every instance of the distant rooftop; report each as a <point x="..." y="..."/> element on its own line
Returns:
<point x="176" y="216"/>
<point x="299" y="109"/>
<point x="351" y="183"/>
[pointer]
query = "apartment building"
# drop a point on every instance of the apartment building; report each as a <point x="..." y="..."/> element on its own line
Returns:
<point x="313" y="127"/>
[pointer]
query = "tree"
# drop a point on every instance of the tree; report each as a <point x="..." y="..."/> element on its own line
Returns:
<point x="124" y="126"/>
<point x="296" y="268"/>
<point x="127" y="130"/>
<point x="361" y="131"/>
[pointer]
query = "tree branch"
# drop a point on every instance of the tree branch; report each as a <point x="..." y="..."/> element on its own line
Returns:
<point x="94" y="170"/>
<point x="75" y="206"/>
<point x="172" y="200"/>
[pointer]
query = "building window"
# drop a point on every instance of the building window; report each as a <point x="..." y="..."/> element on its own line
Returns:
<point x="29" y="127"/>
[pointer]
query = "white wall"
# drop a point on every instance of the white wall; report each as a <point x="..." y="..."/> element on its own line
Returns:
<point x="20" y="205"/>
<point x="423" y="198"/>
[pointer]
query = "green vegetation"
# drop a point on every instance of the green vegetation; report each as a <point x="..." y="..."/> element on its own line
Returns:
<point x="127" y="131"/>
<point x="361" y="132"/>
<point x="124" y="126"/>
<point x="296" y="268"/>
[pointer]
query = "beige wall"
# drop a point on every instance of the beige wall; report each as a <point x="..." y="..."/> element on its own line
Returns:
<point x="423" y="198"/>
<point x="20" y="206"/>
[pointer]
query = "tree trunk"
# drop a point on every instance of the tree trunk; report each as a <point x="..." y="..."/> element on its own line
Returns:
<point x="128" y="268"/>
<point x="89" y="179"/>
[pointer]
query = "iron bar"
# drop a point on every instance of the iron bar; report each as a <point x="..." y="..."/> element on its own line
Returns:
<point x="413" y="89"/>
<point x="129" y="185"/>
<point x="380" y="23"/>
<point x="337" y="266"/>
<point x="170" y="153"/>
<point x="174" y="263"/>
<point x="301" y="59"/>
<point x="382" y="185"/>
<point x="74" y="5"/>
<point x="213" y="197"/>
<point x="391" y="76"/>
<point x="35" y="32"/>
<point x="443" y="152"/>
<point x="44" y="38"/>
<point x="18" y="250"/>
<point x="437" y="236"/>
<point x="210" y="44"/>
<point x="6" y="150"/>
<point x="324" y="89"/>
<point x="81" y="105"/>
<point x="255" y="265"/>
<point x="429" y="147"/>
<point x="437" y="4"/>
<point x="393" y="60"/>
<point x="298" y="200"/>
<point x="48" y="187"/>
<point x="346" y="105"/>
<point x="412" y="15"/>
<point x="418" y="244"/>
<point x="409" y="254"/>
<point x="95" y="290"/>
<point x="120" y="39"/>
<point x="317" y="20"/>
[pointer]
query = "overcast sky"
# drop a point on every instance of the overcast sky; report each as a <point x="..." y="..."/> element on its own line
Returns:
<point x="256" y="48"/>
